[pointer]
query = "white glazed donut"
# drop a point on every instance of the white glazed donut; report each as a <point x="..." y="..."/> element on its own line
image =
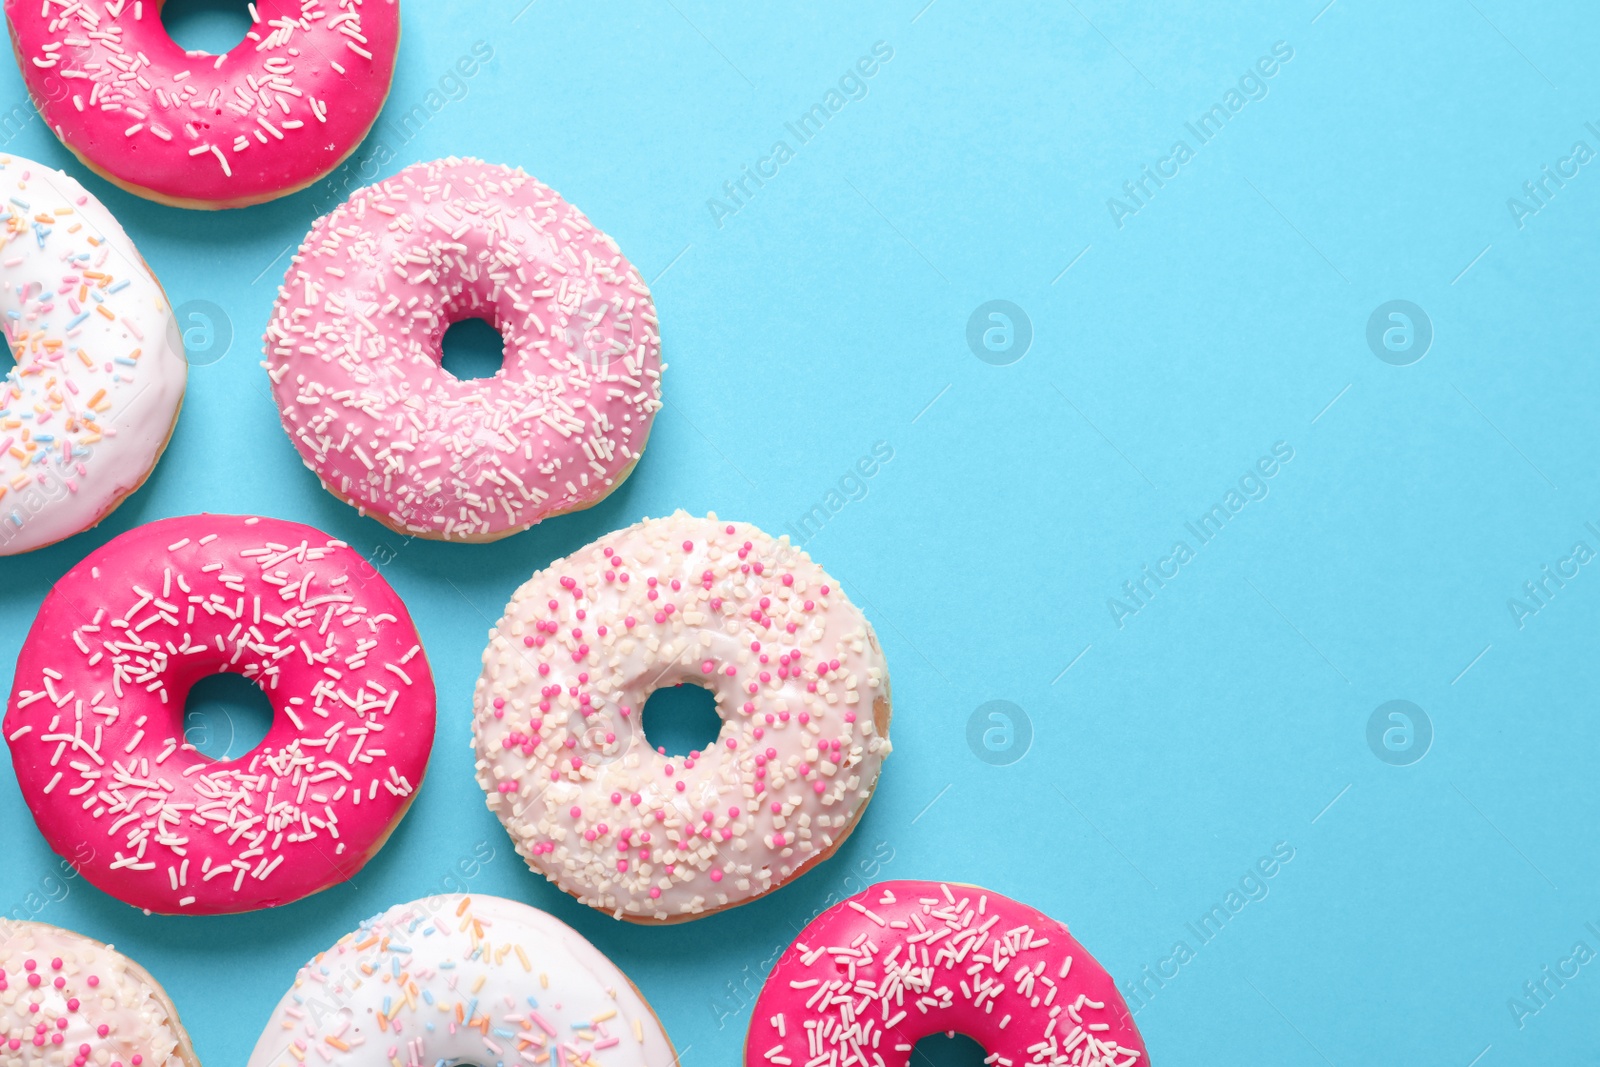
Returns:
<point x="100" y="370"/>
<point x="463" y="979"/>
<point x="800" y="683"/>
<point x="68" y="1001"/>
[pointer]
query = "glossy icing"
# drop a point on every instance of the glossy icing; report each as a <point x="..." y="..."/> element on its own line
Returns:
<point x="800" y="682"/>
<point x="876" y="973"/>
<point x="68" y="1001"/>
<point x="100" y="371"/>
<point x="353" y="350"/>
<point x="277" y="112"/>
<point x="95" y="721"/>
<point x="463" y="979"/>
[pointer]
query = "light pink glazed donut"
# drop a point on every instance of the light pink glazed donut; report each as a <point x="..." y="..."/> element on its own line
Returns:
<point x="800" y="683"/>
<point x="874" y="974"/>
<point x="353" y="349"/>
<point x="68" y="1001"/>
<point x="95" y="721"/>
<point x="192" y="129"/>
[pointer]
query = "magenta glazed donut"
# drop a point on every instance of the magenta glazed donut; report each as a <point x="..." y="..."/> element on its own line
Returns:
<point x="874" y="974"/>
<point x="95" y="718"/>
<point x="353" y="349"/>
<point x="192" y="129"/>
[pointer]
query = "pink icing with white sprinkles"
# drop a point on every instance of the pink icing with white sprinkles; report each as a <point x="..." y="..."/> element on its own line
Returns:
<point x="353" y="350"/>
<point x="96" y="730"/>
<point x="800" y="682"/>
<point x="272" y="115"/>
<point x="874" y="974"/>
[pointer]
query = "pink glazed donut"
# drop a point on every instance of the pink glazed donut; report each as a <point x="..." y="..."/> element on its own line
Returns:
<point x="874" y="974"/>
<point x="192" y="129"/>
<point x="95" y="721"/>
<point x="353" y="349"/>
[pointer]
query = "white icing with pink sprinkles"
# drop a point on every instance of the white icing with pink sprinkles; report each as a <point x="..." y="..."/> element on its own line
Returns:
<point x="68" y="1001"/>
<point x="800" y="682"/>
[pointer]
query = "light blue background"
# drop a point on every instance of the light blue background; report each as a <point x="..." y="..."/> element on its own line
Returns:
<point x="830" y="312"/>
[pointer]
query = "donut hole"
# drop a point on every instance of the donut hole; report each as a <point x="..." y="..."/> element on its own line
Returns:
<point x="212" y="26"/>
<point x="225" y="716"/>
<point x="949" y="1049"/>
<point x="681" y="719"/>
<point x="472" y="348"/>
